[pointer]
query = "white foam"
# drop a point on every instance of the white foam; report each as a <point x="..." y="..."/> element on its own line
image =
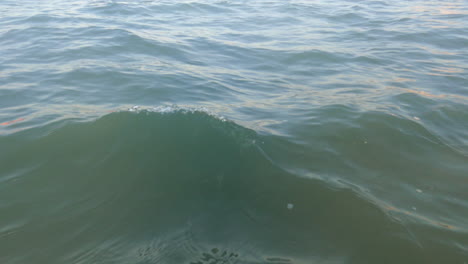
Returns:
<point x="168" y="109"/>
<point x="134" y="108"/>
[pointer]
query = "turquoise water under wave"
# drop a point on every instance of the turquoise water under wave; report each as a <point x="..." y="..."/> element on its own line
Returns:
<point x="233" y="132"/>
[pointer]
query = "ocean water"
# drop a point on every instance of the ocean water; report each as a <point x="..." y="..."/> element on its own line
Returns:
<point x="222" y="132"/>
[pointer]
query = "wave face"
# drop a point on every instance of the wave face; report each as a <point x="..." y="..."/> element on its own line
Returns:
<point x="231" y="131"/>
<point x="188" y="187"/>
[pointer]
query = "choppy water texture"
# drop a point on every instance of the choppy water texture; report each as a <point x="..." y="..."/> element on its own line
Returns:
<point x="274" y="132"/>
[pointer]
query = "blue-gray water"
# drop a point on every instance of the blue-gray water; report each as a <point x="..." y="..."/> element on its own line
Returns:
<point x="224" y="132"/>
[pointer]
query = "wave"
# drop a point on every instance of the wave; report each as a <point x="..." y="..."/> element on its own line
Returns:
<point x="180" y="185"/>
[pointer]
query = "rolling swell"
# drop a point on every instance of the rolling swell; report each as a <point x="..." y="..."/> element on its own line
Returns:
<point x="171" y="187"/>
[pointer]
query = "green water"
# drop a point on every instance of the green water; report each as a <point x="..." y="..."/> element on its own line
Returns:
<point x="225" y="132"/>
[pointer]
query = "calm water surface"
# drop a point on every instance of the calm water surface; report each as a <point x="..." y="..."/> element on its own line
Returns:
<point x="224" y="132"/>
